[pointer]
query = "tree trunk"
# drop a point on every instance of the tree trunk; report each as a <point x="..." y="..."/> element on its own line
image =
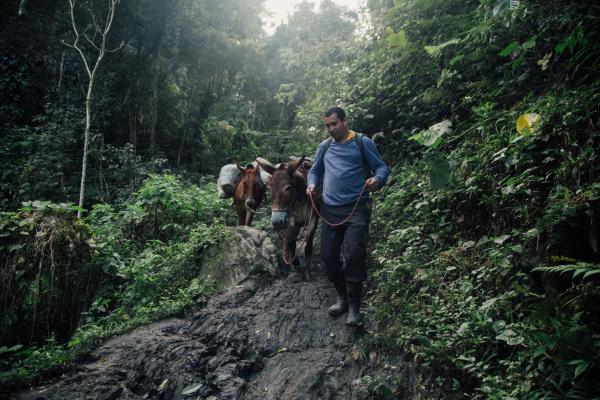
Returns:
<point x="86" y="141"/>
<point x="153" y="118"/>
<point x="132" y="129"/>
<point x="23" y="7"/>
<point x="91" y="72"/>
<point x="61" y="70"/>
<point x="179" y="154"/>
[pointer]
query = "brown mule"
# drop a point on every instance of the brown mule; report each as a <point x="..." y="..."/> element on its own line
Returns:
<point x="249" y="193"/>
<point x="291" y="208"/>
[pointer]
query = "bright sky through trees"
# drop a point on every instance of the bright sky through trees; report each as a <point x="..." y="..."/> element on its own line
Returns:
<point x="280" y="9"/>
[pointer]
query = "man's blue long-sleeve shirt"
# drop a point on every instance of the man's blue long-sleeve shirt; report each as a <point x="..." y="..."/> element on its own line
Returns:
<point x="342" y="172"/>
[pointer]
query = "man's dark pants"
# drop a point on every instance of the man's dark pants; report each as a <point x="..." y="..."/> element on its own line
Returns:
<point x="343" y="248"/>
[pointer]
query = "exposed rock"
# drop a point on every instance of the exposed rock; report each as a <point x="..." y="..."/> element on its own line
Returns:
<point x="247" y="251"/>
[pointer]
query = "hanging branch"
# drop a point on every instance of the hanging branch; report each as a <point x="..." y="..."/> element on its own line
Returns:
<point x="22" y="8"/>
<point x="91" y="72"/>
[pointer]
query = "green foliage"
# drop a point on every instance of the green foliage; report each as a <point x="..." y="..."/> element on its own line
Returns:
<point x="502" y="5"/>
<point x="369" y="388"/>
<point x="440" y="173"/>
<point x="164" y="208"/>
<point x="309" y="70"/>
<point x="580" y="269"/>
<point x="48" y="274"/>
<point x="39" y="158"/>
<point x="468" y="310"/>
<point x="142" y="259"/>
<point x="224" y="144"/>
<point x="482" y="280"/>
<point x="396" y="39"/>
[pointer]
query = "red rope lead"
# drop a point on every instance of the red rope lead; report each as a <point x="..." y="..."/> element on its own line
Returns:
<point x="314" y="207"/>
<point x="345" y="219"/>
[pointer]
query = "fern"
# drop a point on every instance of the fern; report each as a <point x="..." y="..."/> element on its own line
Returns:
<point x="502" y="5"/>
<point x="578" y="269"/>
<point x="435" y="51"/>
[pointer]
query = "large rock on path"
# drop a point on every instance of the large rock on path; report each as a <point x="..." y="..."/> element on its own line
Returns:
<point x="246" y="251"/>
<point x="262" y="340"/>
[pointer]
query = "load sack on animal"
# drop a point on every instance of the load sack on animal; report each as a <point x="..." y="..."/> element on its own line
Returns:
<point x="229" y="176"/>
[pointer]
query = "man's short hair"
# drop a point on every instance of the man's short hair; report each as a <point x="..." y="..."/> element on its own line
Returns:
<point x="335" y="110"/>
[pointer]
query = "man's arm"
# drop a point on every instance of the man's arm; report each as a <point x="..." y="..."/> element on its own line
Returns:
<point x="316" y="171"/>
<point x="380" y="170"/>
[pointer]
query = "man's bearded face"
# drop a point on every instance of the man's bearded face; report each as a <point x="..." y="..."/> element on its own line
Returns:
<point x="335" y="126"/>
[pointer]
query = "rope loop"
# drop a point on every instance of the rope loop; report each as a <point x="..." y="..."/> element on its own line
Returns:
<point x="345" y="219"/>
<point x="314" y="207"/>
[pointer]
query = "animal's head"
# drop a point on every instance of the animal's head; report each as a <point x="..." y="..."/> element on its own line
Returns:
<point x="252" y="188"/>
<point x="288" y="181"/>
<point x="304" y="165"/>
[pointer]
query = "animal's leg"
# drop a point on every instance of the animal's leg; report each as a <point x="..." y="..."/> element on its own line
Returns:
<point x="291" y="235"/>
<point x="310" y="235"/>
<point x="241" y="216"/>
<point x="249" y="216"/>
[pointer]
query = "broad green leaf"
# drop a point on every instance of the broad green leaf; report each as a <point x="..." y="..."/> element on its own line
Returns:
<point x="466" y="286"/>
<point x="510" y="337"/>
<point x="581" y="367"/>
<point x="432" y="137"/>
<point x="440" y="173"/>
<point x="501" y="239"/>
<point x="590" y="273"/>
<point x="435" y="51"/>
<point x="508" y="50"/>
<point x="532" y="233"/>
<point x="488" y="304"/>
<point x="499" y="325"/>
<point x="530" y="43"/>
<point x="15" y="247"/>
<point x="396" y="39"/>
<point x="12" y="349"/>
<point x="517" y="249"/>
<point x="456" y="59"/>
<point x="503" y="5"/>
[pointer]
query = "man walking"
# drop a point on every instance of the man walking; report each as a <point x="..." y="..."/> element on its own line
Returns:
<point x="342" y="167"/>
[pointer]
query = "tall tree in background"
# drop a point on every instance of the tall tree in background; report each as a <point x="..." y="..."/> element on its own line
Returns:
<point x="310" y="55"/>
<point x="91" y="72"/>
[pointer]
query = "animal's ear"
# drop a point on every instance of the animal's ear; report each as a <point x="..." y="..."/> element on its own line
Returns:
<point x="242" y="169"/>
<point x="265" y="165"/>
<point x="295" y="165"/>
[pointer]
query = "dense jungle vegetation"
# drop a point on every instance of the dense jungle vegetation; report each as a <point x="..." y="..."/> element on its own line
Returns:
<point x="484" y="260"/>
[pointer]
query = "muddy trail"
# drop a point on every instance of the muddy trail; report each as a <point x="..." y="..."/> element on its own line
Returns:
<point x="267" y="338"/>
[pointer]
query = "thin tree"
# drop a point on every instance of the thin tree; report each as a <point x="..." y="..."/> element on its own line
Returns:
<point x="100" y="50"/>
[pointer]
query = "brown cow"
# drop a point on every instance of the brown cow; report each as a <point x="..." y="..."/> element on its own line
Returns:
<point x="249" y="193"/>
<point x="291" y="207"/>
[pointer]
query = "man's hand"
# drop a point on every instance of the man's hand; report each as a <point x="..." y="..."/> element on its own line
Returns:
<point x="310" y="189"/>
<point x="372" y="184"/>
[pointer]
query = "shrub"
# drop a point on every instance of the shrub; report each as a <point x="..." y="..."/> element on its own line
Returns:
<point x="48" y="276"/>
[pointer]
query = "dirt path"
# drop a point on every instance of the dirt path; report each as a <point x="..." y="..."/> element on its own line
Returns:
<point x="261" y="340"/>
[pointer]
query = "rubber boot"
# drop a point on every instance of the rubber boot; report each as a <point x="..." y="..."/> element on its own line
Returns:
<point x="354" y="293"/>
<point x="341" y="304"/>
